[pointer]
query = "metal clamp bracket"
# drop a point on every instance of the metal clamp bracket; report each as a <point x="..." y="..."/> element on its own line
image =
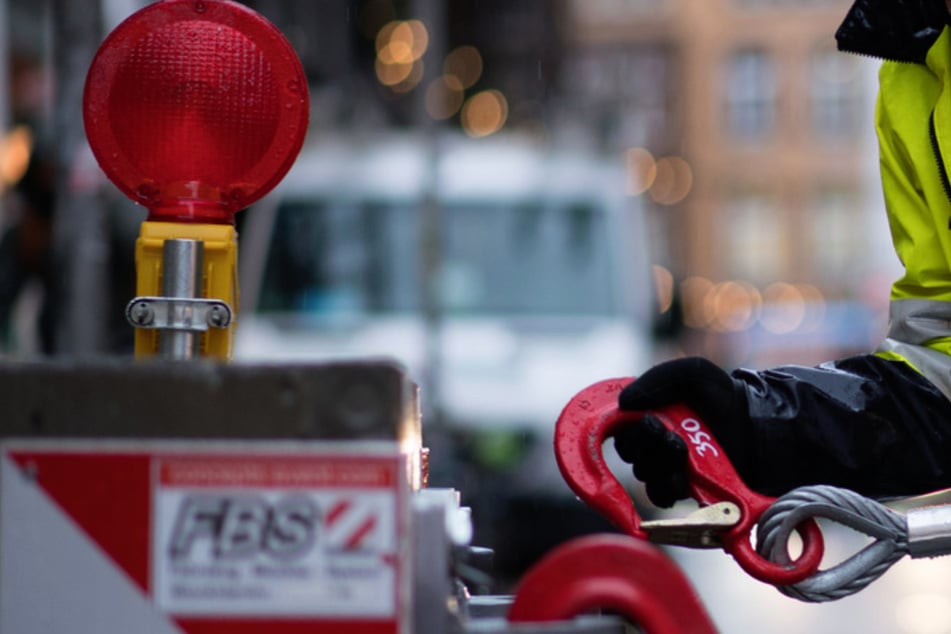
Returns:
<point x="178" y="313"/>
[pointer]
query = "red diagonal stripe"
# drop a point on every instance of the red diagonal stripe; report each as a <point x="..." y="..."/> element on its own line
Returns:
<point x="362" y="531"/>
<point x="336" y="512"/>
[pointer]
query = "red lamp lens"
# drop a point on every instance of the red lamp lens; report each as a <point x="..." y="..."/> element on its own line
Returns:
<point x="195" y="109"/>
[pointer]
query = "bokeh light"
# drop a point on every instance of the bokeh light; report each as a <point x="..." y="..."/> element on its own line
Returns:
<point x="400" y="46"/>
<point x="402" y="41"/>
<point x="465" y="64"/>
<point x="694" y="290"/>
<point x="664" y="287"/>
<point x="672" y="182"/>
<point x="393" y="75"/>
<point x="444" y="97"/>
<point x="15" y="150"/>
<point x="484" y="113"/>
<point x="641" y="170"/>
<point x="792" y="307"/>
<point x="785" y="308"/>
<point x="734" y="306"/>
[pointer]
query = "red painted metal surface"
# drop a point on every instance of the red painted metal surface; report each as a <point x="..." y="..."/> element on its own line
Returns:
<point x="614" y="573"/>
<point x="592" y="416"/>
<point x="195" y="108"/>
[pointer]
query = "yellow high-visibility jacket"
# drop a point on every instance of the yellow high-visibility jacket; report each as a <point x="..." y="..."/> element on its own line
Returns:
<point x="913" y="123"/>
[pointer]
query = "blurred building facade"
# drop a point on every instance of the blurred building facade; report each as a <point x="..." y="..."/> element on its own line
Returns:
<point x="763" y="108"/>
<point x="748" y="133"/>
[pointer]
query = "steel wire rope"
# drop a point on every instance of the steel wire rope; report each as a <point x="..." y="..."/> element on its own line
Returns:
<point x="886" y="526"/>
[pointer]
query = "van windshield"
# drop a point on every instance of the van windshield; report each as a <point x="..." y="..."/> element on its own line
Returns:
<point x="364" y="258"/>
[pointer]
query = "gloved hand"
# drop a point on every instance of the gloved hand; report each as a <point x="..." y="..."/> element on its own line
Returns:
<point x="865" y="423"/>
<point x="659" y="456"/>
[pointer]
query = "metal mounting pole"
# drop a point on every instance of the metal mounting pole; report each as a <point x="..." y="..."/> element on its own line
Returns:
<point x="181" y="277"/>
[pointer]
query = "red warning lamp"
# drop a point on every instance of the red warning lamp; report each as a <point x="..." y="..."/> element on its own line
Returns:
<point x="195" y="108"/>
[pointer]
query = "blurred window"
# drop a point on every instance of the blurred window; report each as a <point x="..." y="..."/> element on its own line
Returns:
<point x="753" y="238"/>
<point x="638" y="73"/>
<point x="836" y="99"/>
<point x="339" y="258"/>
<point x="611" y="10"/>
<point x="623" y="93"/>
<point x="750" y="97"/>
<point x="837" y="238"/>
<point x="335" y="259"/>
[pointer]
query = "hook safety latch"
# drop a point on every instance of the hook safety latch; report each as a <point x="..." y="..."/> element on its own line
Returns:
<point x="700" y="529"/>
<point x="592" y="416"/>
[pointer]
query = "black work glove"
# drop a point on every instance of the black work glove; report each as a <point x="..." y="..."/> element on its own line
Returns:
<point x="659" y="456"/>
<point x="865" y="423"/>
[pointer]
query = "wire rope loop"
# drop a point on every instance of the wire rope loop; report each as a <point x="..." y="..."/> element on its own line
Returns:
<point x="886" y="527"/>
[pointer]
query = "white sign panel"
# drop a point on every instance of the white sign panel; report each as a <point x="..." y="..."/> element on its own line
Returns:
<point x="275" y="536"/>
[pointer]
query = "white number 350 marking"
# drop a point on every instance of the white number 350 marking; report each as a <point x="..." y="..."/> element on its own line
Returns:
<point x="700" y="439"/>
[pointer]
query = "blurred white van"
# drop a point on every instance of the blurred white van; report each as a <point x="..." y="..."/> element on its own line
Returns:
<point x="543" y="281"/>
